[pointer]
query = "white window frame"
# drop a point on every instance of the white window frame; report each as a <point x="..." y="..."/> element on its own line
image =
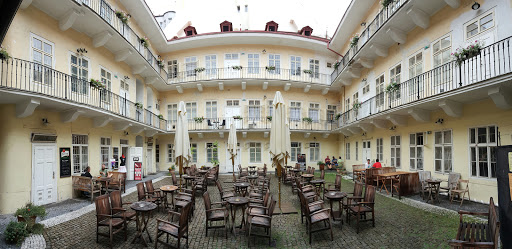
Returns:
<point x="357" y="150"/>
<point x="379" y="90"/>
<point x="441" y="50"/>
<point x="191" y="63"/>
<point x="295" y="65"/>
<point x="393" y="75"/>
<point x="331" y="112"/>
<point x="478" y="21"/>
<point x="443" y="146"/>
<point x="347" y="151"/>
<point x="295" y="150"/>
<point x="233" y="102"/>
<point x="276" y="62"/>
<point x="489" y="145"/>
<point x="294" y="108"/>
<point x="210" y="64"/>
<point x="107" y="83"/>
<point x="314" y="107"/>
<point x="253" y="64"/>
<point x="108" y="147"/>
<point x="314" y="66"/>
<point x="270" y="109"/>
<point x="170" y="153"/>
<point x="211" y="109"/>
<point x="413" y="67"/>
<point x="416" y="146"/>
<point x="255" y="152"/>
<point x="193" y="152"/>
<point x="366" y="87"/>
<point x="314" y="152"/>
<point x="191" y="110"/>
<point x="380" y="149"/>
<point x="173" y="68"/>
<point x="214" y="154"/>
<point x="254" y="109"/>
<point x="82" y="164"/>
<point x="44" y="74"/>
<point x="80" y="81"/>
<point x="396" y="151"/>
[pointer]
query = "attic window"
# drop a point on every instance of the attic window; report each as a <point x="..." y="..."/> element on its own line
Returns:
<point x="190" y="30"/>
<point x="306" y="31"/>
<point x="271" y="26"/>
<point x="226" y="26"/>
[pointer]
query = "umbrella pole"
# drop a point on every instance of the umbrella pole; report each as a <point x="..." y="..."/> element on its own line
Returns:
<point x="279" y="182"/>
<point x="181" y="169"/>
<point x="233" y="161"/>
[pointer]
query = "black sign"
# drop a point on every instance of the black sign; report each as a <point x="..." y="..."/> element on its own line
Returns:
<point x="135" y="159"/>
<point x="65" y="162"/>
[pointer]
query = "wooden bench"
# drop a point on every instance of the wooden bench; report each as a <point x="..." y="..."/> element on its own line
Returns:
<point x="478" y="235"/>
<point x="86" y="184"/>
<point x="356" y="173"/>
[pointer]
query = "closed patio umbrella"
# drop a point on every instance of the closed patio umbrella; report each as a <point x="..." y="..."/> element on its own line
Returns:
<point x="181" y="139"/>
<point x="232" y="146"/>
<point x="280" y="145"/>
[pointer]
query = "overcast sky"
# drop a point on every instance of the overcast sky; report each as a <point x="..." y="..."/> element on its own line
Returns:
<point x="321" y="15"/>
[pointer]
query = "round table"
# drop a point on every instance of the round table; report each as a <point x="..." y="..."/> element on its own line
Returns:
<point x="338" y="197"/>
<point x="241" y="187"/>
<point x="433" y="190"/>
<point x="235" y="203"/>
<point x="318" y="183"/>
<point x="143" y="210"/>
<point x="308" y="177"/>
<point x="252" y="179"/>
<point x="168" y="189"/>
<point x="296" y="171"/>
<point x="203" y="172"/>
<point x="188" y="179"/>
<point x="103" y="181"/>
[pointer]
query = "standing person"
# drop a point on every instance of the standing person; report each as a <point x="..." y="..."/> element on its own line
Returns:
<point x="377" y="164"/>
<point x="103" y="170"/>
<point x="328" y="162"/>
<point x="334" y="162"/>
<point x="368" y="164"/>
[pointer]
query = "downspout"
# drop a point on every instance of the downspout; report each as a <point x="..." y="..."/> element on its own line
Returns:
<point x="333" y="50"/>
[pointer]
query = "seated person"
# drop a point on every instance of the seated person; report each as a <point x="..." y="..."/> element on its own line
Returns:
<point x="328" y="162"/>
<point x="377" y="164"/>
<point x="87" y="172"/>
<point x="334" y="162"/>
<point x="368" y="164"/>
<point x="103" y="171"/>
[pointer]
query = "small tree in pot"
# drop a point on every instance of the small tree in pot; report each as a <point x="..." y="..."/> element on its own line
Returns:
<point x="321" y="165"/>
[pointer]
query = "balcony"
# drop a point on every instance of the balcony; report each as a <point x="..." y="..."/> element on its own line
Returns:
<point x="251" y="124"/>
<point x="492" y="66"/>
<point x="23" y="78"/>
<point x="250" y="73"/>
<point x="99" y="21"/>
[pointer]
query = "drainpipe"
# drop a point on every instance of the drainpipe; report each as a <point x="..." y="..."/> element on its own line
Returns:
<point x="333" y="50"/>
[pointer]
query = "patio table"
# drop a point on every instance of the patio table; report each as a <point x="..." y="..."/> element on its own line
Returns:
<point x="143" y="210"/>
<point x="169" y="189"/>
<point x="241" y="187"/>
<point x="382" y="178"/>
<point x="318" y="183"/>
<point x="335" y="196"/>
<point x="188" y="179"/>
<point x="252" y="179"/>
<point x="308" y="177"/>
<point x="296" y="171"/>
<point x="103" y="181"/>
<point x="235" y="203"/>
<point x="433" y="190"/>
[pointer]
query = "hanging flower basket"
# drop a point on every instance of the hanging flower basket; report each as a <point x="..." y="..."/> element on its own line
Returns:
<point x="307" y="71"/>
<point x="199" y="69"/>
<point x="144" y="41"/>
<point x="160" y="116"/>
<point x="96" y="84"/>
<point x="237" y="67"/>
<point x="356" y="105"/>
<point x="237" y="117"/>
<point x="393" y="87"/>
<point x="462" y="54"/>
<point x="3" y="54"/>
<point x="269" y="118"/>
<point x="270" y="68"/>
<point x="123" y="16"/>
<point x="198" y="119"/>
<point x="354" y="40"/>
<point x="307" y="120"/>
<point x="139" y="105"/>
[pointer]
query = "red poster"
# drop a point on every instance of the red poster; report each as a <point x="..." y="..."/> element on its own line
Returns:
<point x="138" y="171"/>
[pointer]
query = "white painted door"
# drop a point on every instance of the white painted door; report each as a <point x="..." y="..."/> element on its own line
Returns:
<point x="367" y="151"/>
<point x="135" y="156"/>
<point x="231" y="60"/>
<point x="44" y="166"/>
<point x="238" y="160"/>
<point x="231" y="111"/>
<point x="149" y="161"/>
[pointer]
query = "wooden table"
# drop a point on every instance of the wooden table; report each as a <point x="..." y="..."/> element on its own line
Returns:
<point x="235" y="203"/>
<point x="308" y="177"/>
<point x="388" y="176"/>
<point x="433" y="190"/>
<point x="296" y="171"/>
<point x="318" y="183"/>
<point x="169" y="189"/>
<point x="188" y="179"/>
<point x="203" y="172"/>
<point x="359" y="173"/>
<point x="241" y="187"/>
<point x="252" y="179"/>
<point x="336" y="197"/>
<point x="103" y="181"/>
<point x="143" y="210"/>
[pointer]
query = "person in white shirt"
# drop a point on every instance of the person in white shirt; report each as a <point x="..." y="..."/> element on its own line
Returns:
<point x="368" y="164"/>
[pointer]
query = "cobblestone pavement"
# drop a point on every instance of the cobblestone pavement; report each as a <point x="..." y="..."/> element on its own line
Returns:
<point x="397" y="226"/>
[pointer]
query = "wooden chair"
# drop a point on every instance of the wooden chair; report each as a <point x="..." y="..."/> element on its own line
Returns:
<point x="424" y="175"/>
<point x="215" y="214"/>
<point x="453" y="179"/>
<point x="177" y="230"/>
<point x="460" y="191"/>
<point x="334" y="187"/>
<point x="86" y="184"/>
<point x="200" y="184"/>
<point x="224" y="194"/>
<point x="155" y="193"/>
<point x="313" y="203"/>
<point x="357" y="175"/>
<point x="323" y="215"/>
<point x="361" y="208"/>
<point x="322" y="174"/>
<point x="478" y="235"/>
<point x="143" y="196"/>
<point x="258" y="205"/>
<point x="117" y="207"/>
<point x="396" y="186"/>
<point x="262" y="220"/>
<point x="213" y="174"/>
<point x="175" y="181"/>
<point x="117" y="181"/>
<point x="356" y="195"/>
<point x="104" y="218"/>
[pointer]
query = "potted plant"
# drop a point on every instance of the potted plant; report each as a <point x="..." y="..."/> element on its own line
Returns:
<point x="199" y="69"/>
<point x="336" y="64"/>
<point x="338" y="116"/>
<point x="462" y="54"/>
<point x="144" y="41"/>
<point x="237" y="67"/>
<point x="172" y="168"/>
<point x="392" y="87"/>
<point x="139" y="105"/>
<point x="269" y="118"/>
<point x="160" y="63"/>
<point x="160" y="116"/>
<point x="341" y="168"/>
<point x="15" y="232"/>
<point x="198" y="119"/>
<point x="354" y="40"/>
<point x="307" y="120"/>
<point x="96" y="84"/>
<point x="123" y="16"/>
<point x="270" y="68"/>
<point x="321" y="165"/>
<point x="307" y="71"/>
<point x="3" y="54"/>
<point x="385" y="3"/>
<point x="356" y="105"/>
<point x="29" y="213"/>
<point x="237" y="117"/>
<point x="215" y="162"/>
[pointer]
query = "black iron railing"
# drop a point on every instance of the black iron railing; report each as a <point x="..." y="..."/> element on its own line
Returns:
<point x="494" y="60"/>
<point x="20" y="75"/>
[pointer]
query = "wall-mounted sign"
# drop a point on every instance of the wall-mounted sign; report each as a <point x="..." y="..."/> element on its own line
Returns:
<point x="135" y="159"/>
<point x="65" y="162"/>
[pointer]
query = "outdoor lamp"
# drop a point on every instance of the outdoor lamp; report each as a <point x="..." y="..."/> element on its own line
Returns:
<point x="475" y="6"/>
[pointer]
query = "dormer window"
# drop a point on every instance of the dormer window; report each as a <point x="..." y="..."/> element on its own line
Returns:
<point x="226" y="26"/>
<point x="190" y="30"/>
<point x="306" y="31"/>
<point x="271" y="26"/>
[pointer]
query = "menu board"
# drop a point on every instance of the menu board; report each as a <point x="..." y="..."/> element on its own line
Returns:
<point x="65" y="162"/>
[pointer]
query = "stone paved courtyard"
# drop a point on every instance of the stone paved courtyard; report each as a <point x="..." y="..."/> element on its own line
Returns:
<point x="397" y="226"/>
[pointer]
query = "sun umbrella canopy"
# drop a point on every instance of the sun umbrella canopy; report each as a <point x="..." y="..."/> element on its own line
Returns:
<point x="181" y="137"/>
<point x="279" y="133"/>
<point x="232" y="141"/>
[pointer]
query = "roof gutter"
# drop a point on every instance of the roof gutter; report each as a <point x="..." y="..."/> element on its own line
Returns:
<point x="328" y="43"/>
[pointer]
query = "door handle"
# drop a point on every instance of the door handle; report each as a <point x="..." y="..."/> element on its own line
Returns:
<point x="53" y="174"/>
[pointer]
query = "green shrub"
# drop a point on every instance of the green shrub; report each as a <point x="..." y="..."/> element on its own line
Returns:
<point x="15" y="232"/>
<point x="30" y="210"/>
